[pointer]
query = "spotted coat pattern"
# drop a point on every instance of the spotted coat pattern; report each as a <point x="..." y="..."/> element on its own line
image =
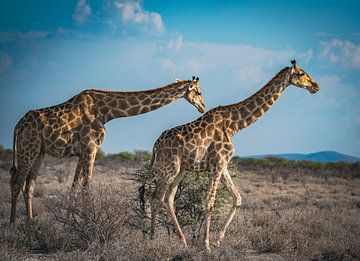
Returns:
<point x="76" y="128"/>
<point x="205" y="145"/>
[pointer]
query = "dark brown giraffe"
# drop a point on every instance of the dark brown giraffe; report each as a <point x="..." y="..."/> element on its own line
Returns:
<point x="76" y="128"/>
<point x="205" y="145"/>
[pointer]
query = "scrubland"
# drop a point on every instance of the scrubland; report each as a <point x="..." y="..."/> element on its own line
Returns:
<point x="287" y="213"/>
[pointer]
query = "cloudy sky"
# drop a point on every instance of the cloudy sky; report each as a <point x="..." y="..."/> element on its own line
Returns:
<point x="51" y="50"/>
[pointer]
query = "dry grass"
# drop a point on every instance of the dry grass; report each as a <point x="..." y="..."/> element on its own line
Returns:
<point x="304" y="218"/>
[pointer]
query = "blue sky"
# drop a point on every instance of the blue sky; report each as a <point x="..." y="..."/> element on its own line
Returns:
<point x="51" y="50"/>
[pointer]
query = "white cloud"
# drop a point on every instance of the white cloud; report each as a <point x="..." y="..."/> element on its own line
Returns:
<point x="133" y="13"/>
<point x="177" y="43"/>
<point x="341" y="52"/>
<point x="5" y="61"/>
<point x="82" y="12"/>
<point x="307" y="56"/>
<point x="241" y="64"/>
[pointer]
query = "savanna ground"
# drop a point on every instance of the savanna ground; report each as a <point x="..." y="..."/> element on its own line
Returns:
<point x="298" y="215"/>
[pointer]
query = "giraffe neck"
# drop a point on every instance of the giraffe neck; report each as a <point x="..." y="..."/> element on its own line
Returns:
<point x="110" y="105"/>
<point x="240" y="115"/>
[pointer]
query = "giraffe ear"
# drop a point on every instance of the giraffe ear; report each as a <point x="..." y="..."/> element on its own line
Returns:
<point x="191" y="87"/>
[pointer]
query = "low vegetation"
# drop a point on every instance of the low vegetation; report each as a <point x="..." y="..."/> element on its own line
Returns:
<point x="291" y="210"/>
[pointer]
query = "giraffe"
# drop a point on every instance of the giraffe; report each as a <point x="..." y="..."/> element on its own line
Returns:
<point x="76" y="128"/>
<point x="205" y="145"/>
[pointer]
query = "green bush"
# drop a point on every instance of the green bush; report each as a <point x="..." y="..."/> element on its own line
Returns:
<point x="100" y="153"/>
<point x="5" y="152"/>
<point x="189" y="200"/>
<point x="125" y="155"/>
<point x="142" y="155"/>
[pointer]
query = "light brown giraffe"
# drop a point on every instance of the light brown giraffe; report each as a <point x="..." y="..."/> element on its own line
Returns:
<point x="205" y="145"/>
<point x="76" y="128"/>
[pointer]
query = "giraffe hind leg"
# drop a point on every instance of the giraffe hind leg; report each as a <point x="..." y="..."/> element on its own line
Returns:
<point x="170" y="206"/>
<point x="157" y="195"/>
<point x="30" y="185"/>
<point x="230" y="186"/>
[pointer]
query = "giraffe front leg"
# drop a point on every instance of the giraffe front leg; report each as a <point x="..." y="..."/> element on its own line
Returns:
<point x="229" y="184"/>
<point x="209" y="204"/>
<point x="78" y="177"/>
<point x="87" y="170"/>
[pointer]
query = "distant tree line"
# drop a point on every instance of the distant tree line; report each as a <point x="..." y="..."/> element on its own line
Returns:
<point x="270" y="163"/>
<point x="279" y="165"/>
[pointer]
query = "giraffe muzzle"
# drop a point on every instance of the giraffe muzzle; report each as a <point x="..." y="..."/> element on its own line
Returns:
<point x="315" y="88"/>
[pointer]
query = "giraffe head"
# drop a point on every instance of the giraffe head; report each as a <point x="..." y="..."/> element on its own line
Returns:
<point x="300" y="78"/>
<point x="193" y="94"/>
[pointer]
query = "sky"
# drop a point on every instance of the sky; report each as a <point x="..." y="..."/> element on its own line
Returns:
<point x="52" y="50"/>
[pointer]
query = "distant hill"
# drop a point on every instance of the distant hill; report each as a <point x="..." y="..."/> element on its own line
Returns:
<point x="321" y="156"/>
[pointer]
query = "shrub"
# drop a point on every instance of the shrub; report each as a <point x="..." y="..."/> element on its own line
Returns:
<point x="125" y="155"/>
<point x="142" y="155"/>
<point x="95" y="216"/>
<point x="189" y="200"/>
<point x="5" y="152"/>
<point x="100" y="153"/>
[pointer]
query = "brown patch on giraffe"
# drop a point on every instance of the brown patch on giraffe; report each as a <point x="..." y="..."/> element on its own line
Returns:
<point x="226" y="114"/>
<point x="248" y="120"/>
<point x="243" y="112"/>
<point x="265" y="107"/>
<point x="123" y="105"/>
<point x="155" y="106"/>
<point x="147" y="101"/>
<point x="104" y="110"/>
<point x="47" y="131"/>
<point x="132" y="101"/>
<point x="258" y="112"/>
<point x="133" y="110"/>
<point x="113" y="104"/>
<point x="144" y="109"/>
<point x="101" y="103"/>
<point x="142" y="97"/>
<point x="198" y="142"/>
<point x="235" y="116"/>
<point x="259" y="101"/>
<point x="251" y="105"/>
<point x="209" y="129"/>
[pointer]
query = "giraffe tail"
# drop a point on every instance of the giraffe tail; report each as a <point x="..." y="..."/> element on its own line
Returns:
<point x="151" y="164"/>
<point x="13" y="168"/>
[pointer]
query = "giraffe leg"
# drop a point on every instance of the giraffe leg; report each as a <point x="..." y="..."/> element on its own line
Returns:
<point x="209" y="204"/>
<point x="30" y="184"/>
<point x="15" y="191"/>
<point x="157" y="195"/>
<point x="227" y="181"/>
<point x="170" y="205"/>
<point x="87" y="170"/>
<point x="77" y="177"/>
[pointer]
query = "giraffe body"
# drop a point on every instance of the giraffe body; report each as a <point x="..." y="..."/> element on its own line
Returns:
<point x="76" y="128"/>
<point x="205" y="145"/>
